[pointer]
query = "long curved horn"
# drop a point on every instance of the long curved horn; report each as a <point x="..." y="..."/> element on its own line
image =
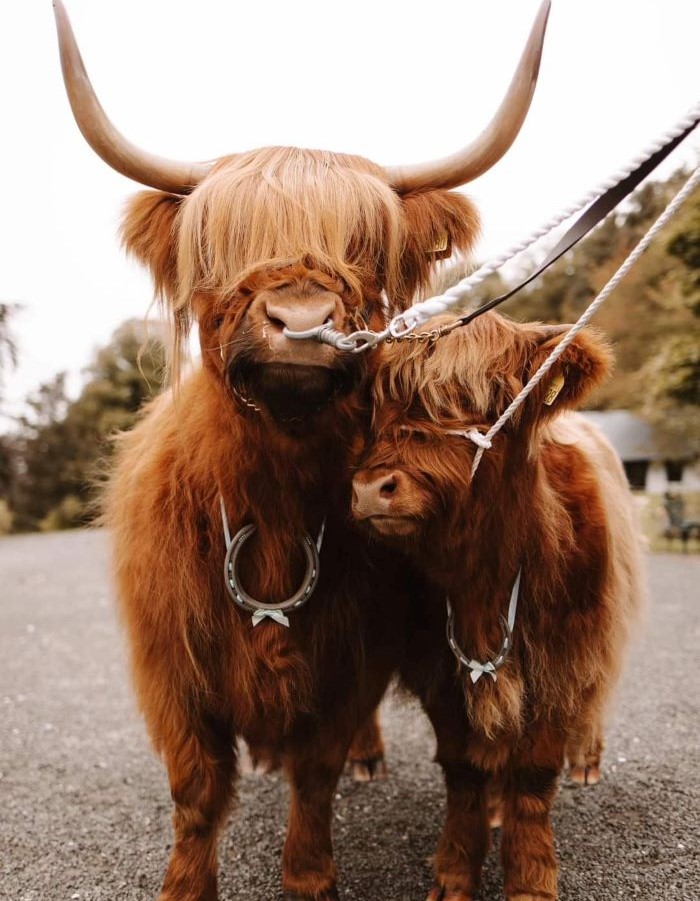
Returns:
<point x="497" y="137"/>
<point x="103" y="137"/>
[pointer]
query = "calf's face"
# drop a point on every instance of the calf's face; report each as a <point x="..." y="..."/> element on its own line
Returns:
<point x="415" y="476"/>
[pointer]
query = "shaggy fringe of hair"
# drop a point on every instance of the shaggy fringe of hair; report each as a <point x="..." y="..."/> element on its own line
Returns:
<point x="474" y="371"/>
<point x="477" y="370"/>
<point x="275" y="206"/>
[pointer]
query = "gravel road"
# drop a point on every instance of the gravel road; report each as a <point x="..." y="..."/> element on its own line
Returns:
<point x="85" y="805"/>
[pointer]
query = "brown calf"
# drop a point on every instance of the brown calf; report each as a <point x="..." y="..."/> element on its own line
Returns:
<point x="550" y="500"/>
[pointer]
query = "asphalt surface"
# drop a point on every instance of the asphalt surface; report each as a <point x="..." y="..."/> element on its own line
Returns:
<point x="84" y="805"/>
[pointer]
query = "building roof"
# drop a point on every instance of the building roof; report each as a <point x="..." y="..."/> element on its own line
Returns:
<point x="629" y="434"/>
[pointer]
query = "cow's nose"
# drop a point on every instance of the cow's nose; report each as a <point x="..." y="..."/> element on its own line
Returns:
<point x="376" y="497"/>
<point x="298" y="317"/>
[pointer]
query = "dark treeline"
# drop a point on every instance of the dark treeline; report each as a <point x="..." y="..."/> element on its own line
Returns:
<point x="51" y="466"/>
<point x="51" y="463"/>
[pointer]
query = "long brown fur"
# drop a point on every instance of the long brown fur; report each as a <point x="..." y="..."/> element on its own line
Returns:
<point x="550" y="497"/>
<point x="275" y="221"/>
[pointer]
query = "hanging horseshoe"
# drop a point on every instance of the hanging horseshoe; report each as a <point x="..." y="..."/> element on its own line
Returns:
<point x="259" y="609"/>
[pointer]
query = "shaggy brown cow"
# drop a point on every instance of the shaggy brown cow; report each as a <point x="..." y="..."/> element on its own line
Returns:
<point x="263" y="433"/>
<point x="549" y="500"/>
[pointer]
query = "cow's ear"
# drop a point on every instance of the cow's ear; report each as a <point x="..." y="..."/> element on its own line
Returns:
<point x="438" y="223"/>
<point x="579" y="370"/>
<point x="149" y="233"/>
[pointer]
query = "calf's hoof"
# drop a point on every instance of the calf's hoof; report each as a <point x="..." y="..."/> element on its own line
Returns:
<point x="168" y="896"/>
<point x="371" y="769"/>
<point x="495" y="814"/>
<point x="329" y="894"/>
<point x="440" y="893"/>
<point x="185" y="892"/>
<point x="526" y="897"/>
<point x="585" y="775"/>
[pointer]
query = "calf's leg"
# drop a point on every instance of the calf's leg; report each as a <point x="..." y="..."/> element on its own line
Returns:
<point x="527" y="839"/>
<point x="465" y="838"/>
<point x="495" y="801"/>
<point x="366" y="755"/>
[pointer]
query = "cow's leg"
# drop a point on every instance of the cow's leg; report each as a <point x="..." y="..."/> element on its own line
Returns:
<point x="465" y="838"/>
<point x="366" y="755"/>
<point x="308" y="869"/>
<point x="527" y="839"/>
<point x="200" y="759"/>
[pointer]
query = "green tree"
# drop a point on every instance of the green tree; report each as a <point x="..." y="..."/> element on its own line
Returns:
<point x="65" y="443"/>
<point x="44" y="445"/>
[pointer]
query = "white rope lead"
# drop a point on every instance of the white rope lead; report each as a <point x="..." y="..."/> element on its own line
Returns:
<point x="405" y="322"/>
<point x="484" y="441"/>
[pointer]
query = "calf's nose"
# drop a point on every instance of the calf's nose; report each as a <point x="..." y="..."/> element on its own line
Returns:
<point x="377" y="496"/>
<point x="298" y="317"/>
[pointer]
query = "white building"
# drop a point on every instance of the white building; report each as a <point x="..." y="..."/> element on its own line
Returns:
<point x="646" y="468"/>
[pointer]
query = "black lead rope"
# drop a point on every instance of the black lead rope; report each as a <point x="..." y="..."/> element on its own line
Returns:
<point x="593" y="215"/>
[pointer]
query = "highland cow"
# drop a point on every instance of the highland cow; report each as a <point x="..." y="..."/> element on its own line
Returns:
<point x="221" y="497"/>
<point x="547" y="518"/>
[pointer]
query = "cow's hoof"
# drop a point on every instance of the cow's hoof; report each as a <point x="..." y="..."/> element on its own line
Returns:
<point x="440" y="893"/>
<point x="585" y="775"/>
<point x="371" y="770"/>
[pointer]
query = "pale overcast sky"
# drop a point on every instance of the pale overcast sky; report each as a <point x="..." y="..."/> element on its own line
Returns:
<point x="395" y="81"/>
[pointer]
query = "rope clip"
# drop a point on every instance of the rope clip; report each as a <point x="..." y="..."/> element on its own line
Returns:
<point x="355" y="342"/>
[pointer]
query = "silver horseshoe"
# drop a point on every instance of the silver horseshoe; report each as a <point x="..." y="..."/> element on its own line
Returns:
<point x="496" y="662"/>
<point x="259" y="609"/>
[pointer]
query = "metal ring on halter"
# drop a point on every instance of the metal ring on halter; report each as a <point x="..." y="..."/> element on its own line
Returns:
<point x="248" y="603"/>
<point x="363" y="339"/>
<point x="355" y="342"/>
<point x="400" y="325"/>
<point x="325" y="333"/>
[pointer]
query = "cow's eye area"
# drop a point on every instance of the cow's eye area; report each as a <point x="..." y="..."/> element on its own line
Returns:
<point x="420" y="436"/>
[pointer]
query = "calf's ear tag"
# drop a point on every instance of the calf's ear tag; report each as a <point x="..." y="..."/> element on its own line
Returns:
<point x="553" y="389"/>
<point x="441" y="247"/>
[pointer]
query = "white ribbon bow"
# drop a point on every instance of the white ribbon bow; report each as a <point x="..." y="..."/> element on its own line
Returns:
<point x="478" y="669"/>
<point x="275" y="615"/>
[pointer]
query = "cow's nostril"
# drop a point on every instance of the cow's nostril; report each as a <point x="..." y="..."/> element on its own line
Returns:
<point x="297" y="316"/>
<point x="387" y="488"/>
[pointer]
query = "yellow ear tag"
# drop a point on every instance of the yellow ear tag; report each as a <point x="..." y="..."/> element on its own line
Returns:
<point x="441" y="244"/>
<point x="553" y="389"/>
